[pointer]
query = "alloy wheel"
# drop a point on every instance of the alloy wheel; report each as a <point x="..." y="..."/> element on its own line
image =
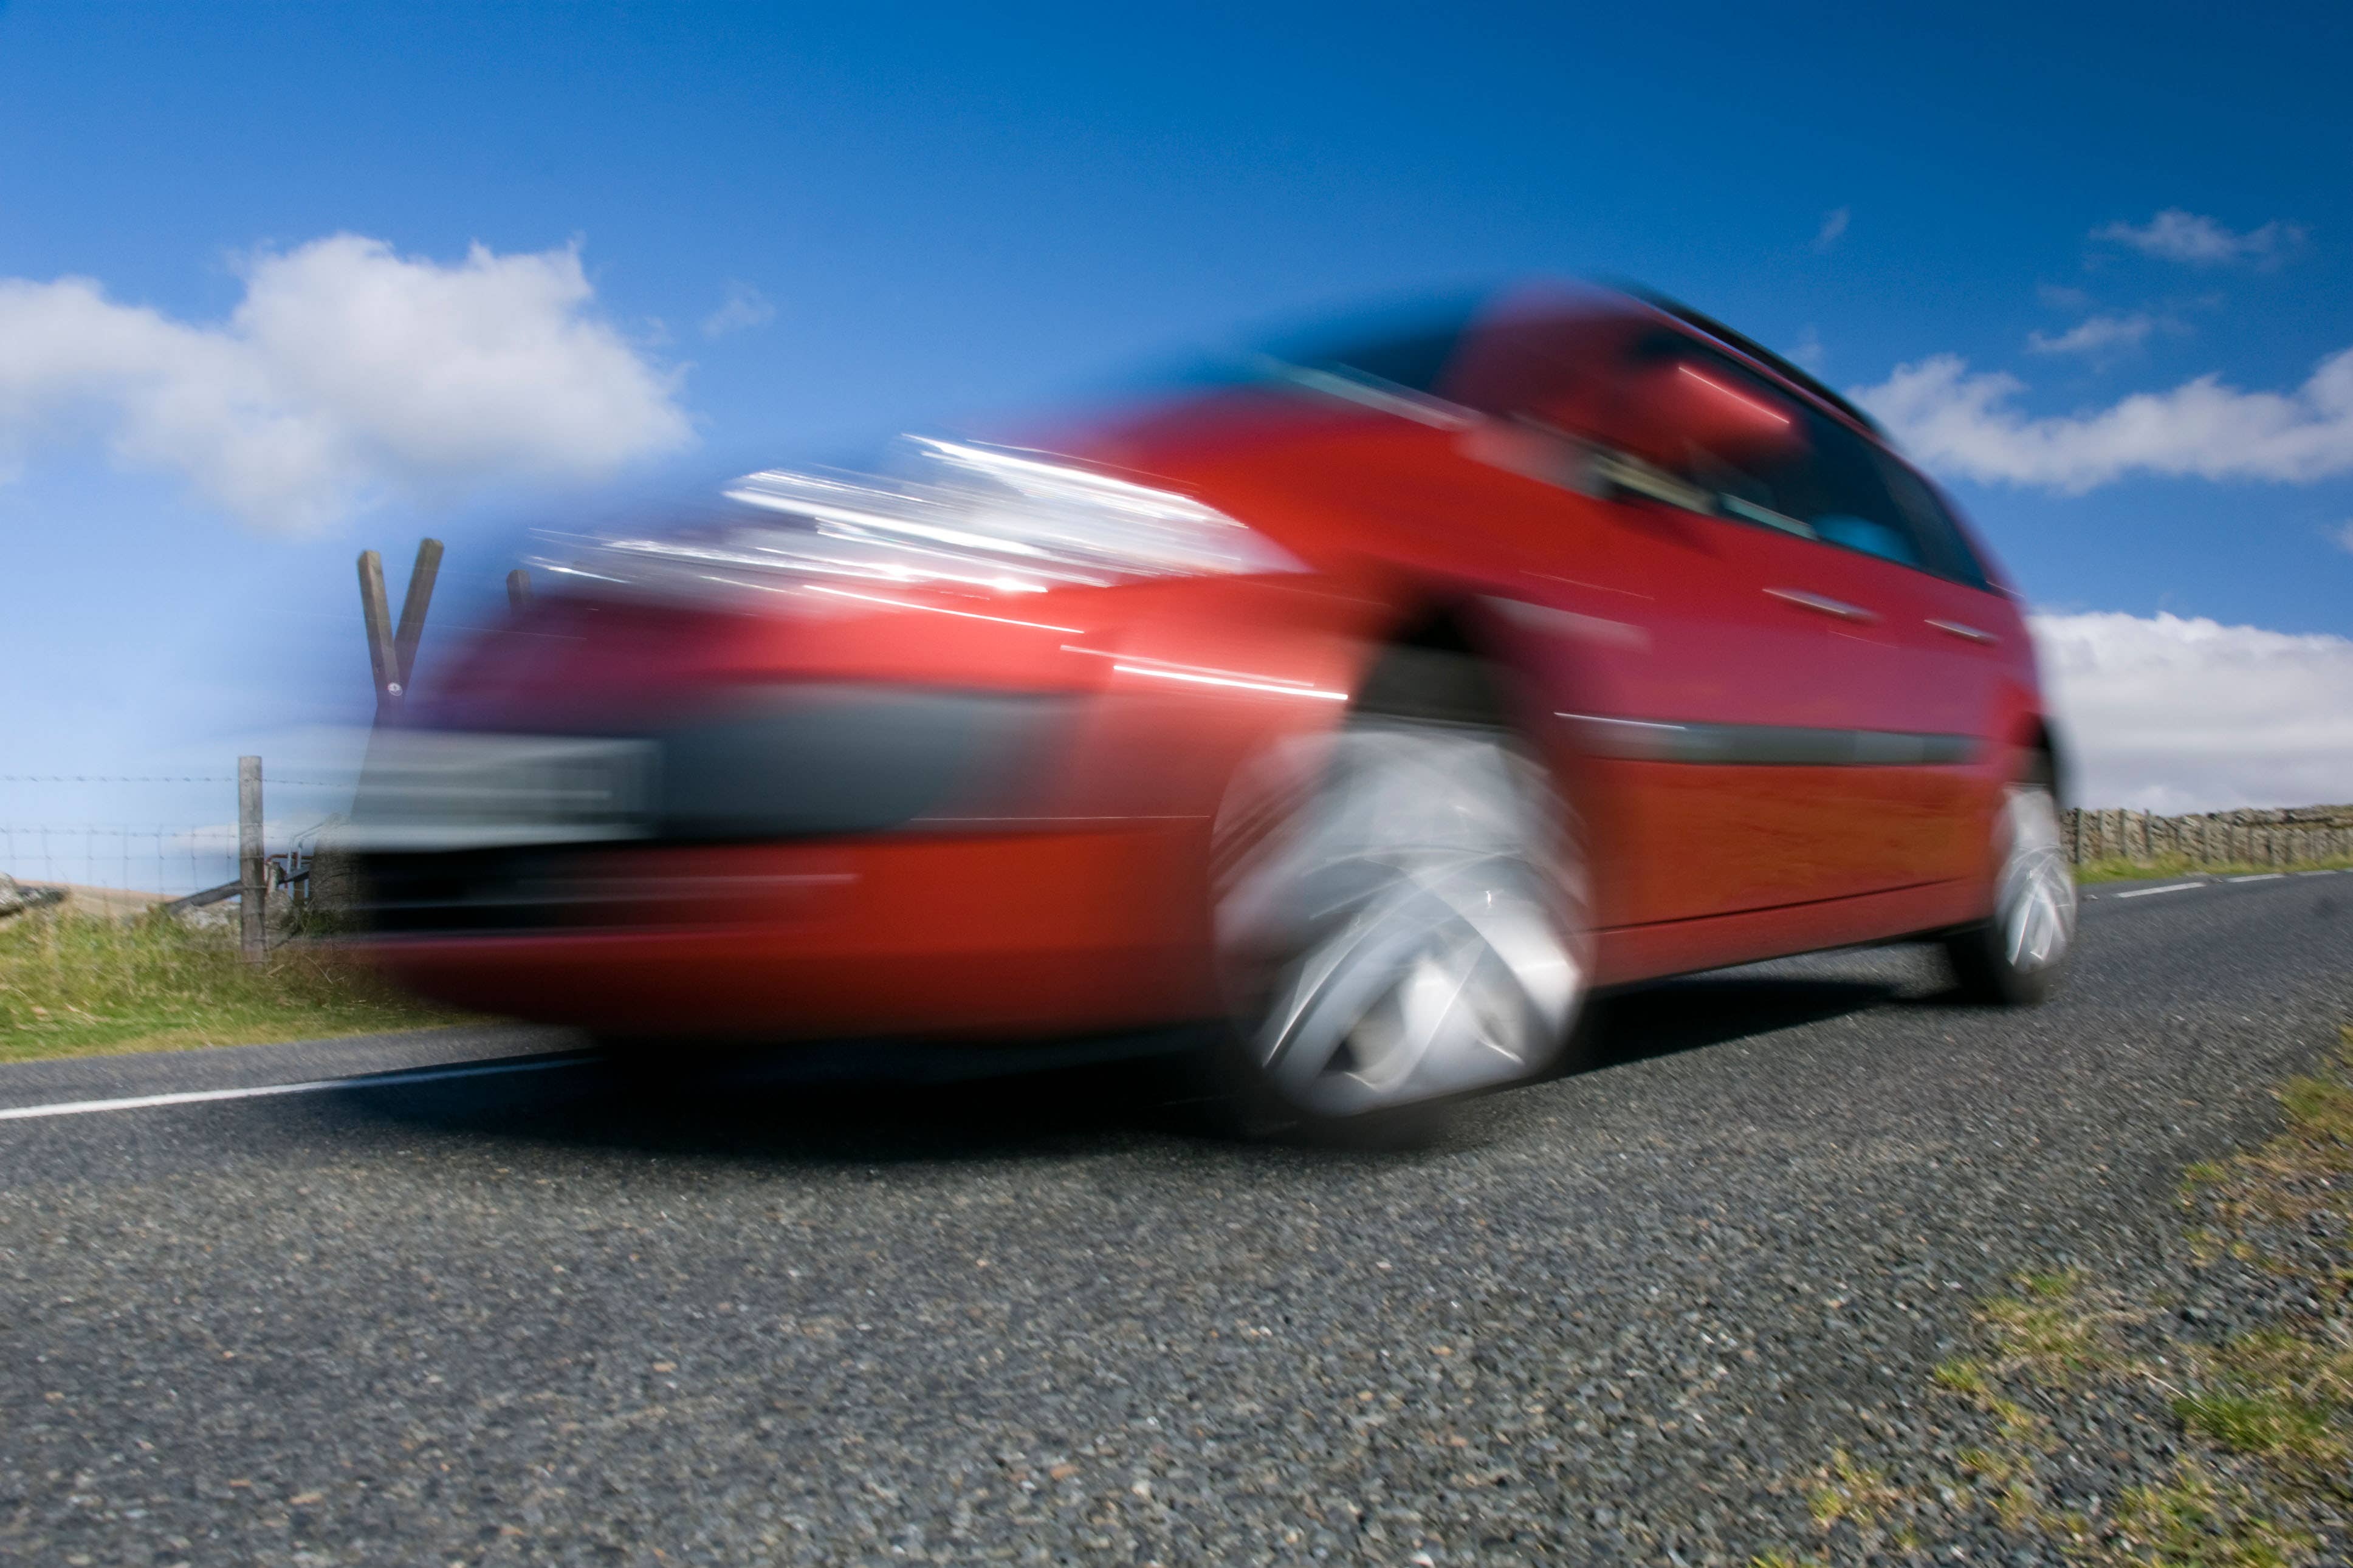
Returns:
<point x="1399" y="917"/>
<point x="2035" y="901"/>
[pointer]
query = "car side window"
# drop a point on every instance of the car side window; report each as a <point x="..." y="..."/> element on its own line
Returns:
<point x="1851" y="504"/>
<point x="1786" y="465"/>
<point x="1941" y="539"/>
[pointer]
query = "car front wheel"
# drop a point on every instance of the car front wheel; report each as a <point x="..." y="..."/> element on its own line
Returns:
<point x="1398" y="916"/>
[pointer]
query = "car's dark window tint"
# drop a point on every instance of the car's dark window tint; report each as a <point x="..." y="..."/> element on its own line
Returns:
<point x="1827" y="486"/>
<point x="1941" y="539"/>
<point x="1852" y="505"/>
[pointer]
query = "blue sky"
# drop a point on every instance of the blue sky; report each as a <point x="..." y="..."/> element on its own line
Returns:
<point x="934" y="215"/>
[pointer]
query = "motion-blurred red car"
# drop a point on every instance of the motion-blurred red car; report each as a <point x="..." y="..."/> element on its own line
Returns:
<point x="1379" y="700"/>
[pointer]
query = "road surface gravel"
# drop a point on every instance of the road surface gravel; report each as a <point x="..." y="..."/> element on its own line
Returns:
<point x="731" y="1316"/>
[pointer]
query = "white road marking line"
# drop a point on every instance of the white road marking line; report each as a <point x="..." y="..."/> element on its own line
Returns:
<point x="2143" y="892"/>
<point x="2258" y="877"/>
<point x="315" y="1086"/>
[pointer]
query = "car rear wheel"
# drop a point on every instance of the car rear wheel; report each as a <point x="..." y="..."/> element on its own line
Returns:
<point x="1398" y="913"/>
<point x="2019" y="956"/>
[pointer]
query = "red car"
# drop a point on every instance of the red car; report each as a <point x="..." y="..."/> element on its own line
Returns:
<point x="1378" y="701"/>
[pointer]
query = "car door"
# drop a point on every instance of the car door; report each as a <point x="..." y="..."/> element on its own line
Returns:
<point x="1972" y="646"/>
<point x="1913" y="676"/>
<point x="1748" y="727"/>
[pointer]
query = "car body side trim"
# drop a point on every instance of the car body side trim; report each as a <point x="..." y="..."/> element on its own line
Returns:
<point x="1718" y="915"/>
<point x="1661" y="740"/>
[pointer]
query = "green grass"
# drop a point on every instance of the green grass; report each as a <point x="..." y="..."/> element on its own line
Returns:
<point x="2118" y="869"/>
<point x="78" y="985"/>
<point x="2268" y="1421"/>
<point x="2260" y="1461"/>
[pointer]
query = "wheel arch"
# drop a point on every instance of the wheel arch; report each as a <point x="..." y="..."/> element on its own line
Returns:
<point x="2040" y="738"/>
<point x="1462" y="627"/>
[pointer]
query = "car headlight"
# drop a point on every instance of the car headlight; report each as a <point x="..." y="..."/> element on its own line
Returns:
<point x="963" y="517"/>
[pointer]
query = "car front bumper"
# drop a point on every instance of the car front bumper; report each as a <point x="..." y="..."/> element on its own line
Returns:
<point x="1047" y="931"/>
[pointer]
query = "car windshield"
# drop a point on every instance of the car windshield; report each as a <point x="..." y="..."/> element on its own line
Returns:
<point x="1409" y="350"/>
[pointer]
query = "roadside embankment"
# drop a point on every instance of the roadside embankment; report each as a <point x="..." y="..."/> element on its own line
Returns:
<point x="72" y="983"/>
<point x="2201" y="1414"/>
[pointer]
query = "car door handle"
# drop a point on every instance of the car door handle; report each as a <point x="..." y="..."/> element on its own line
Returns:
<point x="1837" y="607"/>
<point x="1968" y="633"/>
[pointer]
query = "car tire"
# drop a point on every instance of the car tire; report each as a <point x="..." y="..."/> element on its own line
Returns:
<point x="2019" y="956"/>
<point x="1398" y="913"/>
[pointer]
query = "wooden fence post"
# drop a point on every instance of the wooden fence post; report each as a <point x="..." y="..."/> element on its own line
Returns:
<point x="252" y="875"/>
<point x="413" y="606"/>
<point x="383" y="662"/>
<point x="392" y="653"/>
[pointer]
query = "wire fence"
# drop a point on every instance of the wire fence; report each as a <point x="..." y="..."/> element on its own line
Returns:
<point x="121" y="928"/>
<point x="132" y="863"/>
<point x="112" y="861"/>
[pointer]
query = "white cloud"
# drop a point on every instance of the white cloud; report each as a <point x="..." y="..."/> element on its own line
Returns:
<point x="1809" y="351"/>
<point x="1967" y="424"/>
<point x="2061" y="298"/>
<point x="2174" y="235"/>
<point x="345" y="374"/>
<point x="2172" y="714"/>
<point x="2343" y="534"/>
<point x="1834" y="224"/>
<point x="743" y="309"/>
<point x="2095" y="335"/>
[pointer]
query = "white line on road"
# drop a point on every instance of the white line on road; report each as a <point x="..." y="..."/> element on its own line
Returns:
<point x="2258" y="877"/>
<point x="2143" y="892"/>
<point x="316" y="1086"/>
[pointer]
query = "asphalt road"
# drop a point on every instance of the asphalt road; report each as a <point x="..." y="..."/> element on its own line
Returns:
<point x="549" y="1315"/>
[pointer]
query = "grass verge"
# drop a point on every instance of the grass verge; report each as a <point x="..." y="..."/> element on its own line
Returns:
<point x="2121" y="1428"/>
<point x="2122" y="870"/>
<point x="79" y="985"/>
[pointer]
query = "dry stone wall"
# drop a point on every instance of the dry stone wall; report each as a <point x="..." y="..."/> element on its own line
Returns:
<point x="2277" y="837"/>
